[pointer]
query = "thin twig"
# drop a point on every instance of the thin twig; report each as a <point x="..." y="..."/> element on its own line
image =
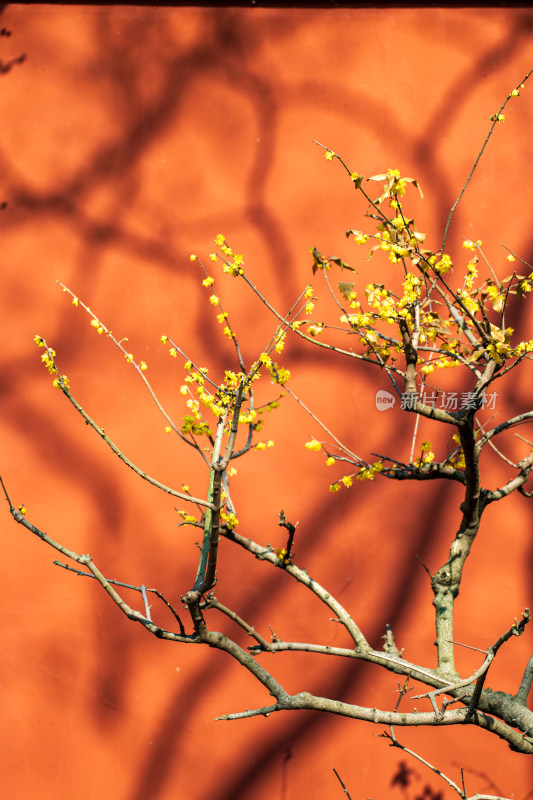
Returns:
<point x="478" y="158"/>
<point x="85" y="560"/>
<point x="212" y="602"/>
<point x="128" y="586"/>
<point x="346" y="792"/>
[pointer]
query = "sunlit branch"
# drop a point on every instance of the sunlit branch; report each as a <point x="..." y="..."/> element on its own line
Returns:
<point x="266" y="554"/>
<point x="411" y="359"/>
<point x="141" y="589"/>
<point x="112" y="446"/>
<point x="388" y="661"/>
<point x="87" y="562"/>
<point x="205" y="576"/>
<point x="301" y="334"/>
<point x="478" y="158"/>
<point x="234" y="427"/>
<point x="424" y="472"/>
<point x="371" y="202"/>
<point x="388" y="368"/>
<point x="395" y="743"/>
<point x="233" y="336"/>
<point x="140" y="372"/>
<point x="340" y="445"/>
<point x="479" y="674"/>
<point x="307" y="701"/>
<point x="212" y="602"/>
<point x="453" y="311"/>
<point x="516" y="483"/>
<point x="527" y="416"/>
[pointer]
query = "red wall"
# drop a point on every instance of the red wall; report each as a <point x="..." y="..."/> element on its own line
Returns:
<point x="130" y="138"/>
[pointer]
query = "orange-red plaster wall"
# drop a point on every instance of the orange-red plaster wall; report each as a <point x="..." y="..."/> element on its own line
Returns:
<point x="130" y="138"/>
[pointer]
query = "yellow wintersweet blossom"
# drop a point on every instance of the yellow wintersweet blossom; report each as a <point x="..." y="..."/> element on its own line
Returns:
<point x="369" y="473"/>
<point x="187" y="518"/>
<point x="524" y="347"/>
<point x="443" y="265"/>
<point x="313" y="445"/>
<point x="230" y="520"/>
<point x="48" y="358"/>
<point x="236" y="267"/>
<point x="467" y="301"/>
<point x="411" y="291"/>
<point x="399" y="223"/>
<point x="61" y="383"/>
<point x="280" y="341"/>
<point x="472" y="274"/>
<point x="396" y="184"/>
<point x="247" y="417"/>
<point x="278" y="374"/>
<point x="426" y="454"/>
<point x="208" y="281"/>
<point x="281" y="554"/>
<point x="499" y="350"/>
<point x="330" y="155"/>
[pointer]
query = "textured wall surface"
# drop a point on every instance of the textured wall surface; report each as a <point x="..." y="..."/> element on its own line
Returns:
<point x="130" y="138"/>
